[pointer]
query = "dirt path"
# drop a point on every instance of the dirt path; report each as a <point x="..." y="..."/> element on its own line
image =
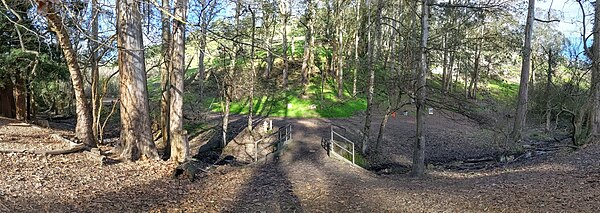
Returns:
<point x="312" y="182"/>
<point x="304" y="179"/>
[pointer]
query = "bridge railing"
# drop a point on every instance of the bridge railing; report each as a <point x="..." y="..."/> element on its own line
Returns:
<point x="338" y="143"/>
<point x="284" y="136"/>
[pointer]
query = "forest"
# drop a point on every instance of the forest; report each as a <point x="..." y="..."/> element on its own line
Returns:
<point x="299" y="106"/>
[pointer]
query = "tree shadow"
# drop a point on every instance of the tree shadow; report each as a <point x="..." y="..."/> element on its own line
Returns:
<point x="268" y="190"/>
<point x="214" y="144"/>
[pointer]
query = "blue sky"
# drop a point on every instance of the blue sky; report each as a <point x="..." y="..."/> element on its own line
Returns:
<point x="570" y="24"/>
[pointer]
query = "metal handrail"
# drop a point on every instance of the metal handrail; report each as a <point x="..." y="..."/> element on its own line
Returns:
<point x="341" y="147"/>
<point x="281" y="140"/>
<point x="332" y="141"/>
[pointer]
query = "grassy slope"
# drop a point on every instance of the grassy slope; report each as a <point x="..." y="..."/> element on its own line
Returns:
<point x="289" y="104"/>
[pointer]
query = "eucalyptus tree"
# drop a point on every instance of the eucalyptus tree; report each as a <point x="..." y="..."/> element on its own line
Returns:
<point x="418" y="166"/>
<point x="206" y="13"/>
<point x="594" y="130"/>
<point x="521" y="108"/>
<point x="309" y="44"/>
<point x="165" y="74"/>
<point x="136" y="137"/>
<point x="179" y="143"/>
<point x="285" y="13"/>
<point x="371" y="78"/>
<point x="83" y="128"/>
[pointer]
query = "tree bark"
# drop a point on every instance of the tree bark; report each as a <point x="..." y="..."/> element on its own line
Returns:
<point x="370" y="90"/>
<point x="270" y="58"/>
<point x="7" y="100"/>
<point x="418" y="168"/>
<point x="308" y="48"/>
<point x="136" y="135"/>
<point x="284" y="10"/>
<point x="95" y="72"/>
<point x="225" y="115"/>
<point x="521" y="108"/>
<point x="20" y="96"/>
<point x="475" y="77"/>
<point x="547" y="92"/>
<point x="83" y="128"/>
<point x="356" y="42"/>
<point x="382" y="125"/>
<point x="595" y="83"/>
<point x="179" y="146"/>
<point x="253" y="71"/>
<point x="164" y="79"/>
<point x="444" y="61"/>
<point x="340" y="92"/>
<point x="448" y="85"/>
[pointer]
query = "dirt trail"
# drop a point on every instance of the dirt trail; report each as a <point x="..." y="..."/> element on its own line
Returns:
<point x="304" y="179"/>
<point x="315" y="182"/>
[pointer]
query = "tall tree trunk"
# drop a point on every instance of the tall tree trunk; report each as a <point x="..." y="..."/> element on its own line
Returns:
<point x="292" y="44"/>
<point x="450" y="71"/>
<point x="93" y="44"/>
<point x="532" y="77"/>
<point x="20" y="96"/>
<point x="308" y="49"/>
<point x="521" y="108"/>
<point x="227" y="106"/>
<point x="466" y="77"/>
<point x="311" y="60"/>
<point x="356" y="41"/>
<point x="475" y="76"/>
<point x="270" y="57"/>
<point x="7" y="100"/>
<point x="83" y="128"/>
<point x="179" y="143"/>
<point x="548" y="92"/>
<point x="382" y="125"/>
<point x="253" y="71"/>
<point x="444" y="61"/>
<point x="378" y="48"/>
<point x="370" y="90"/>
<point x="284" y="7"/>
<point x="418" y="167"/>
<point x="595" y="83"/>
<point x="136" y="135"/>
<point x="205" y="19"/>
<point x="201" y="68"/>
<point x="164" y="79"/>
<point x="225" y="122"/>
<point x="340" y="62"/>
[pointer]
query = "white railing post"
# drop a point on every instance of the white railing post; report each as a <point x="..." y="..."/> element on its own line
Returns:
<point x="331" y="127"/>
<point x="256" y="151"/>
<point x="353" y="153"/>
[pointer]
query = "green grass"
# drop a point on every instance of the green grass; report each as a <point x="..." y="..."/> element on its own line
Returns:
<point x="193" y="128"/>
<point x="359" y="159"/>
<point x="289" y="104"/>
<point x="502" y="91"/>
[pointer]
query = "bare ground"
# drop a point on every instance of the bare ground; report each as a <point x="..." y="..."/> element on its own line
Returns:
<point x="304" y="179"/>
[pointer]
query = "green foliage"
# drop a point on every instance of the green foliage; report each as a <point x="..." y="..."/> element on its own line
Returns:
<point x="359" y="159"/>
<point x="502" y="91"/>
